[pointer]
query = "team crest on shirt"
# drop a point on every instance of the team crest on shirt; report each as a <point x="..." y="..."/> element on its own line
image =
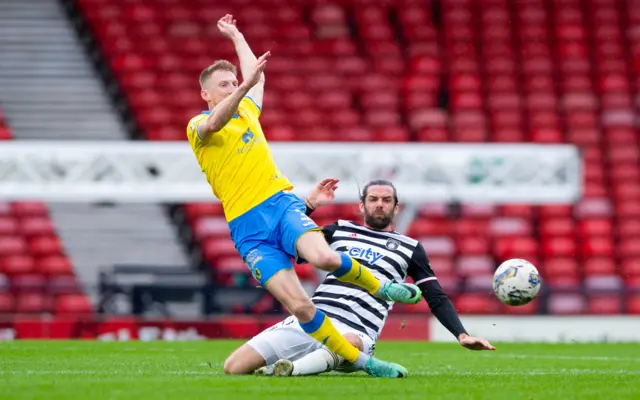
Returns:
<point x="247" y="136"/>
<point x="392" y="244"/>
<point x="249" y="140"/>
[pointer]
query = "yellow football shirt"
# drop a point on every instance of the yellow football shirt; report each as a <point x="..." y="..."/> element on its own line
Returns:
<point x="237" y="161"/>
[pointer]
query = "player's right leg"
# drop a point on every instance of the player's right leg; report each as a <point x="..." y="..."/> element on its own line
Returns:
<point x="285" y="286"/>
<point x="313" y="248"/>
<point x="301" y="238"/>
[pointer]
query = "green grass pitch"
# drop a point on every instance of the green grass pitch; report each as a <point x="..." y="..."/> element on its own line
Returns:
<point x="193" y="370"/>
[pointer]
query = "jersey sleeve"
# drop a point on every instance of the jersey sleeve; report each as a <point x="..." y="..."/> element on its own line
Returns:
<point x="420" y="267"/>
<point x="192" y="129"/>
<point x="439" y="304"/>
<point x="250" y="106"/>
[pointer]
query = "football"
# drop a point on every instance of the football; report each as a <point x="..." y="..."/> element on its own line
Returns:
<point x="516" y="282"/>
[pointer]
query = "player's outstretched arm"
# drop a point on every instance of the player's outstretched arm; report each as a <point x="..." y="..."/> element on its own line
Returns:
<point x="227" y="26"/>
<point x="440" y="305"/>
<point x="223" y="112"/>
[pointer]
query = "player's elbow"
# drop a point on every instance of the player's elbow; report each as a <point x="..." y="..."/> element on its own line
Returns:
<point x="215" y="125"/>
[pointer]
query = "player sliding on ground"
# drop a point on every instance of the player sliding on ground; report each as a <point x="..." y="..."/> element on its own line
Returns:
<point x="285" y="350"/>
<point x="268" y="225"/>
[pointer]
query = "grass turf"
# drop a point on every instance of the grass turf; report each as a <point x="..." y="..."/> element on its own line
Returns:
<point x="181" y="370"/>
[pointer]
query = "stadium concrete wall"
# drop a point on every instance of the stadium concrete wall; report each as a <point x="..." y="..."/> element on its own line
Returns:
<point x="554" y="329"/>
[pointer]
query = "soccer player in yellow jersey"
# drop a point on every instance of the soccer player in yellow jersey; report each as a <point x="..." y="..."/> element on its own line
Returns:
<point x="268" y="224"/>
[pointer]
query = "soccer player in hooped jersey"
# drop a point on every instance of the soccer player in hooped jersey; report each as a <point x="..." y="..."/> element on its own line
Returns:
<point x="268" y="224"/>
<point x="360" y="317"/>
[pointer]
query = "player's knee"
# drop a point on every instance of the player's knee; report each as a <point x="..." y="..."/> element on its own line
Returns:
<point x="327" y="260"/>
<point x="313" y="248"/>
<point x="304" y="310"/>
<point x="355" y="341"/>
<point x="229" y="366"/>
<point x="232" y="366"/>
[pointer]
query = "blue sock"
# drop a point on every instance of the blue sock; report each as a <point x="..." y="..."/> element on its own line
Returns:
<point x="345" y="265"/>
<point x="314" y="324"/>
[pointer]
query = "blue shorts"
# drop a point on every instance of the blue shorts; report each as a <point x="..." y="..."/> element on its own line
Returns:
<point x="266" y="236"/>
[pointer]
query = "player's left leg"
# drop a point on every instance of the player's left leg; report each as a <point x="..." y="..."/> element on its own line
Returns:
<point x="244" y="360"/>
<point x="319" y="361"/>
<point x="284" y="340"/>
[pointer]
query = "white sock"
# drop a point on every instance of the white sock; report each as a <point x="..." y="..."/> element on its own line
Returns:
<point x="321" y="360"/>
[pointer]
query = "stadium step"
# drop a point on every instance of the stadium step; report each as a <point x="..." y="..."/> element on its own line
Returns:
<point x="96" y="237"/>
<point x="44" y="71"/>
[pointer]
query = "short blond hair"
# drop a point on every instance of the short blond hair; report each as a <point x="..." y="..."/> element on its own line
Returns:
<point x="220" y="65"/>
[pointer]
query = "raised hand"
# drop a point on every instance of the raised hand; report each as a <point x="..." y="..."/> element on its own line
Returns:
<point x="323" y="193"/>
<point x="227" y="26"/>
<point x="474" y="343"/>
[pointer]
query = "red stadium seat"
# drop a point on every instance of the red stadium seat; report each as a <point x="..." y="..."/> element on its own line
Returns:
<point x="557" y="227"/>
<point x="599" y="266"/>
<point x="16" y="265"/>
<point x="442" y="266"/>
<point x="510" y="227"/>
<point x="12" y="245"/>
<point x="7" y="303"/>
<point x="45" y="245"/>
<point x="628" y="227"/>
<point x="547" y="211"/>
<point x="428" y="227"/>
<point x="597" y="247"/>
<point x="516" y="247"/>
<point x="29" y="209"/>
<point x="475" y="265"/>
<point x="560" y="267"/>
<point x="477" y="304"/>
<point x="633" y="304"/>
<point x="210" y="227"/>
<point x="28" y="283"/>
<point x="215" y="248"/>
<point x="606" y="283"/>
<point x="54" y="265"/>
<point x="473" y="245"/>
<point x="558" y="247"/>
<point x="196" y="210"/>
<point x="605" y="305"/>
<point x="33" y="226"/>
<point x="516" y="210"/>
<point x="471" y="227"/>
<point x="630" y="267"/>
<point x="232" y="265"/>
<point x="479" y="283"/>
<point x="567" y="304"/>
<point x="73" y="304"/>
<point x="438" y="245"/>
<point x="8" y="226"/>
<point x="33" y="303"/>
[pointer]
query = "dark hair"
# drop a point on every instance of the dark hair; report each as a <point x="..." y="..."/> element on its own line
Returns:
<point x="379" y="182"/>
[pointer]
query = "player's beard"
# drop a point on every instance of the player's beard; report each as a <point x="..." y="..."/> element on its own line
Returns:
<point x="378" y="220"/>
